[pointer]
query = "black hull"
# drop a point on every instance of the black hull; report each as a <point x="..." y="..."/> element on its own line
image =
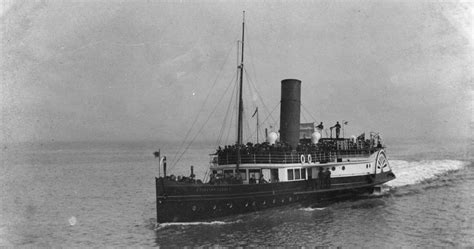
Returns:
<point x="184" y="202"/>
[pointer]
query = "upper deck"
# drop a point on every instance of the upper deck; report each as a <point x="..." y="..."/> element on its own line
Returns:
<point x="327" y="150"/>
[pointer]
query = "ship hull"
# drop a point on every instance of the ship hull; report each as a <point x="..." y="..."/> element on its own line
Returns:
<point x="185" y="202"/>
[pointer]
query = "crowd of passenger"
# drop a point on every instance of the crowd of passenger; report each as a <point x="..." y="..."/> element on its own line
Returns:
<point x="250" y="148"/>
<point x="281" y="147"/>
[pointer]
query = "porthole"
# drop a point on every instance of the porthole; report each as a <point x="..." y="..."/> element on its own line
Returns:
<point x="194" y="208"/>
<point x="215" y="207"/>
<point x="159" y="202"/>
<point x="343" y="167"/>
<point x="264" y="202"/>
<point x="246" y="204"/>
<point x="230" y="205"/>
<point x="333" y="168"/>
<point x="274" y="201"/>
<point x="282" y="200"/>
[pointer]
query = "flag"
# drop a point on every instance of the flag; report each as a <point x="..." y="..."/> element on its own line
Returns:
<point x="345" y="122"/>
<point x="256" y="110"/>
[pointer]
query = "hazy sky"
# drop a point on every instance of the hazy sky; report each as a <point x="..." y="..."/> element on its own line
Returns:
<point x="119" y="70"/>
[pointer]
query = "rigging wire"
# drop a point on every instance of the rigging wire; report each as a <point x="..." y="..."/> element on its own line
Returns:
<point x="234" y="110"/>
<point x="265" y="108"/>
<point x="266" y="118"/>
<point x="224" y="124"/>
<point x="232" y="116"/>
<point x="251" y="60"/>
<point x="269" y="115"/>
<point x="202" y="127"/>
<point x="258" y="93"/>
<point x="253" y="84"/>
<point x="304" y="108"/>
<point x="248" y="128"/>
<point x="247" y="119"/>
<point x="304" y="117"/>
<point x="201" y="108"/>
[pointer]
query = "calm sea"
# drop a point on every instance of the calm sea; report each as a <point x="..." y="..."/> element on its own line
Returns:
<point x="102" y="194"/>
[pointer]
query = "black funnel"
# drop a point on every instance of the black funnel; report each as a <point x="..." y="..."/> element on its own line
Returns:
<point x="290" y="112"/>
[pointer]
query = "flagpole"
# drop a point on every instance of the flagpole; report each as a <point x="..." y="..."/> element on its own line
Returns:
<point x="344" y="123"/>
<point x="253" y="115"/>
<point x="257" y="124"/>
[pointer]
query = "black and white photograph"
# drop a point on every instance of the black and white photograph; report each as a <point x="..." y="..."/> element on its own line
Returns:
<point x="226" y="123"/>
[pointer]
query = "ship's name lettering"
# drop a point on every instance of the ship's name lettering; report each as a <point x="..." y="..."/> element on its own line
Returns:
<point x="212" y="190"/>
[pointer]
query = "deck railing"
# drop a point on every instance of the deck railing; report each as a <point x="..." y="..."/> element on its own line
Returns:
<point x="279" y="157"/>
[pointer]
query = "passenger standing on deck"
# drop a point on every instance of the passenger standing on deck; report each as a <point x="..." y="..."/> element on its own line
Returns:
<point x="261" y="179"/>
<point x="252" y="179"/>
<point x="327" y="177"/>
<point x="338" y="129"/>
<point x="320" y="128"/>
<point x="213" y="179"/>
<point x="321" y="178"/>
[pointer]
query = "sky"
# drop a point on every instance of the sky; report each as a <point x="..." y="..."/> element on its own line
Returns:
<point x="154" y="70"/>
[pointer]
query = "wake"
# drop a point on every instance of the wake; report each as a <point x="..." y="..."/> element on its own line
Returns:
<point x="309" y="209"/>
<point x="212" y="223"/>
<point x="414" y="172"/>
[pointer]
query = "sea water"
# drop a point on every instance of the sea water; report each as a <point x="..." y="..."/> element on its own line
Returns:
<point x="91" y="194"/>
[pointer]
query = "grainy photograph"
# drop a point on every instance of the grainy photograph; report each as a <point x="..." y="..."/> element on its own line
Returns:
<point x="211" y="123"/>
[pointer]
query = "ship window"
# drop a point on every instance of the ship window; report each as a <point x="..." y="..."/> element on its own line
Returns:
<point x="343" y="167"/>
<point x="297" y="174"/>
<point x="243" y="174"/>
<point x="290" y="174"/>
<point x="303" y="173"/>
<point x="333" y="168"/>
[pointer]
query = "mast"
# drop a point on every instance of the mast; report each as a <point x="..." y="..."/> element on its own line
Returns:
<point x="241" y="105"/>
